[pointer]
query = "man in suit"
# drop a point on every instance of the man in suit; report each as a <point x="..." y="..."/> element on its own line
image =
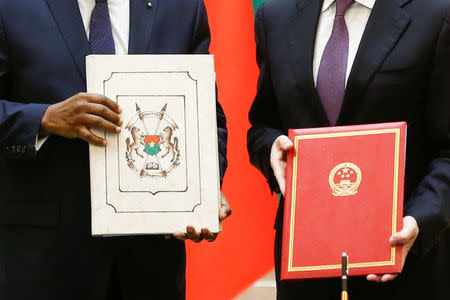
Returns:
<point x="344" y="62"/>
<point x="46" y="248"/>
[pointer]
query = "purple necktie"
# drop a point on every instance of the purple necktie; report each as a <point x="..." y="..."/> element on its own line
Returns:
<point x="101" y="38"/>
<point x="333" y="66"/>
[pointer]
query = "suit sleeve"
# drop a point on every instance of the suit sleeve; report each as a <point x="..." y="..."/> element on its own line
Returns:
<point x="430" y="203"/>
<point x="19" y="122"/>
<point x="264" y="116"/>
<point x="200" y="45"/>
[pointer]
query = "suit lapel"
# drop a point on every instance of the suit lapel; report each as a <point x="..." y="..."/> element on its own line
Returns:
<point x="301" y="47"/>
<point x="142" y="18"/>
<point x="385" y="26"/>
<point x="68" y="17"/>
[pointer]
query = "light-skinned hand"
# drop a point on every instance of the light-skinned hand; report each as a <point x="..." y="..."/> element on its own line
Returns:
<point x="406" y="237"/>
<point x="278" y="160"/>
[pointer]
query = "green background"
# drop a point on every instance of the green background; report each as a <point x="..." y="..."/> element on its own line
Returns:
<point x="256" y="3"/>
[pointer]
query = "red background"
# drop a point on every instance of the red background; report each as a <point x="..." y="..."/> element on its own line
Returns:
<point x="244" y="251"/>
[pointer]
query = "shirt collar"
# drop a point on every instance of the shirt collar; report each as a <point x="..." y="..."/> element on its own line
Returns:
<point x="367" y="3"/>
<point x="326" y="4"/>
<point x="110" y="1"/>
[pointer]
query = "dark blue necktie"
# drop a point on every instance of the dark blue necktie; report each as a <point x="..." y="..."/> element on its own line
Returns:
<point x="101" y="38"/>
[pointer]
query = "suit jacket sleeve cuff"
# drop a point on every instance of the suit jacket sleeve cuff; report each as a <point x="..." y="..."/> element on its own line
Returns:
<point x="430" y="206"/>
<point x="20" y="141"/>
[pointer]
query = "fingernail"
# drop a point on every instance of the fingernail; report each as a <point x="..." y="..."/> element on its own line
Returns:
<point x="105" y="143"/>
<point x="118" y="129"/>
<point x="119" y="109"/>
<point x="120" y="122"/>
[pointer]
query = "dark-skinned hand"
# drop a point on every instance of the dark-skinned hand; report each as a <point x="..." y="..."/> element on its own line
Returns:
<point x="76" y="116"/>
<point x="205" y="233"/>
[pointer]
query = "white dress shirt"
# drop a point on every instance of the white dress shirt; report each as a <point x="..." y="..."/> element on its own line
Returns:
<point x="119" y="12"/>
<point x="356" y="19"/>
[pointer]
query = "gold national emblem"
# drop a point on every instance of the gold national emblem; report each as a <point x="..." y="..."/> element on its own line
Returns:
<point x="345" y="179"/>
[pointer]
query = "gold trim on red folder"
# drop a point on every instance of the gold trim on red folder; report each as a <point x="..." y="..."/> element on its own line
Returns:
<point x="390" y="262"/>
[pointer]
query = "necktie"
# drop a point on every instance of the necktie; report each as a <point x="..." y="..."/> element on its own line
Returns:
<point x="101" y="38"/>
<point x="333" y="66"/>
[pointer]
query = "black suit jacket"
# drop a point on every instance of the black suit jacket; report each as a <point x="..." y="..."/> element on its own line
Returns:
<point x="401" y="73"/>
<point x="43" y="46"/>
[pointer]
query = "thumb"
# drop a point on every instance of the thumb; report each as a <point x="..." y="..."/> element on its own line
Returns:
<point x="225" y="209"/>
<point x="400" y="238"/>
<point x="408" y="232"/>
<point x="285" y="143"/>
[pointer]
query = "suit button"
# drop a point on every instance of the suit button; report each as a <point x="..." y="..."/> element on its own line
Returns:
<point x="13" y="148"/>
<point x="7" y="149"/>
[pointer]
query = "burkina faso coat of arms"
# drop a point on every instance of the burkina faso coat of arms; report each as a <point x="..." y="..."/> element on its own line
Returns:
<point x="152" y="145"/>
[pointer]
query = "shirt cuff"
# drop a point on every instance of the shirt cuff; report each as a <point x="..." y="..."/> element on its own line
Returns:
<point x="40" y="142"/>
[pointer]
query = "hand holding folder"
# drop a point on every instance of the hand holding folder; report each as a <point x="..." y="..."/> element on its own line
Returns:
<point x="406" y="237"/>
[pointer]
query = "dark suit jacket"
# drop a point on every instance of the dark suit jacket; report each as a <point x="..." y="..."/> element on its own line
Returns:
<point x="43" y="46"/>
<point x="401" y="73"/>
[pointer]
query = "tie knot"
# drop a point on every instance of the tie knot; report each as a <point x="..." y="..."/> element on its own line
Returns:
<point x="342" y="6"/>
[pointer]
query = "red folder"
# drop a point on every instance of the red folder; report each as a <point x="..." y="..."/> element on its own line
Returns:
<point x="344" y="193"/>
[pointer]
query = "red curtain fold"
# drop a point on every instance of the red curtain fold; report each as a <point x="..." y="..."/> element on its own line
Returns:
<point x="243" y="253"/>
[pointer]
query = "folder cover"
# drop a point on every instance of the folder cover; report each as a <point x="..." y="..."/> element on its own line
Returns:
<point x="161" y="173"/>
<point x="344" y="193"/>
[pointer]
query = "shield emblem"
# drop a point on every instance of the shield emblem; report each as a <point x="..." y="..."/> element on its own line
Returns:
<point x="152" y="144"/>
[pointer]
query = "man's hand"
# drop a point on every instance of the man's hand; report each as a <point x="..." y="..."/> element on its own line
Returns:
<point x="278" y="160"/>
<point x="76" y="116"/>
<point x="406" y="237"/>
<point x="192" y="234"/>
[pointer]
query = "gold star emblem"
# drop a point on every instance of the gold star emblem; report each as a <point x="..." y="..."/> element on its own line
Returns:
<point x="340" y="182"/>
<point x="152" y="144"/>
